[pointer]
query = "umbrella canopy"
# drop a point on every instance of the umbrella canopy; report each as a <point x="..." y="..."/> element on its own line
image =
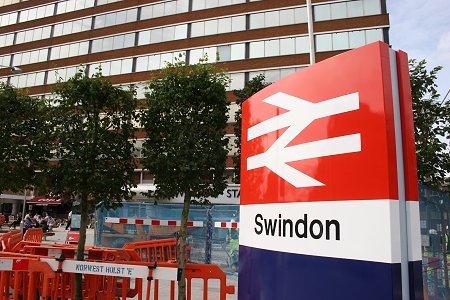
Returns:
<point x="44" y="200"/>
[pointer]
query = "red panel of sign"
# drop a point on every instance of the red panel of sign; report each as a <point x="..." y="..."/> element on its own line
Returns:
<point x="333" y="143"/>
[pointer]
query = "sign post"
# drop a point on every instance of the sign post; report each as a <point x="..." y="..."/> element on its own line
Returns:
<point x="329" y="200"/>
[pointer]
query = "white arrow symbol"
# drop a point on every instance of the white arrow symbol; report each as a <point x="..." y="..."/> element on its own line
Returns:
<point x="300" y="114"/>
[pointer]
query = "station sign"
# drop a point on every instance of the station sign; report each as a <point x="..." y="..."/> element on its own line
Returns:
<point x="329" y="202"/>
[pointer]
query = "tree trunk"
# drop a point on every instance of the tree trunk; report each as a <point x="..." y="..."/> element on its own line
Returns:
<point x="182" y="238"/>
<point x="81" y="244"/>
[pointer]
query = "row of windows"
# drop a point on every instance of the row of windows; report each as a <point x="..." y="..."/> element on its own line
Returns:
<point x="70" y="50"/>
<point x="47" y="10"/>
<point x="223" y="25"/>
<point x="5" y="60"/>
<point x="205" y="4"/>
<point x="113" y="42"/>
<point x="283" y="46"/>
<point x="277" y="47"/>
<point x="163" y="34"/>
<point x="164" y="9"/>
<point x="347" y="40"/>
<point x="218" y="53"/>
<point x="116" y="18"/>
<point x="202" y="28"/>
<point x="350" y="9"/>
<point x="8" y="19"/>
<point x="30" y="57"/>
<point x="143" y="63"/>
<point x="157" y="35"/>
<point x="36" y="13"/>
<point x="71" y="27"/>
<point x="9" y="2"/>
<point x="73" y="5"/>
<point x="278" y="18"/>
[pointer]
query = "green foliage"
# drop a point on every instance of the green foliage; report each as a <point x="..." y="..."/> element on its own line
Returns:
<point x="432" y="126"/>
<point x="93" y="122"/>
<point x="185" y="122"/>
<point x="252" y="87"/>
<point x="23" y="133"/>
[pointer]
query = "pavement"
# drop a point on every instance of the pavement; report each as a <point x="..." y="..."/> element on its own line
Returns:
<point x="61" y="235"/>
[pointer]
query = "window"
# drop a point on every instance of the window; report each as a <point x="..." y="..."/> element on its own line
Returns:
<point x="118" y="42"/>
<point x="198" y="29"/>
<point x="97" y="45"/>
<point x="339" y="10"/>
<point x="355" y="9"/>
<point x="238" y="23"/>
<point x="211" y="27"/>
<point x="287" y="17"/>
<point x="237" y="51"/>
<point x="357" y="39"/>
<point x="256" y="49"/>
<point x="324" y="43"/>
<point x="142" y="64"/>
<point x="372" y="7"/>
<point x="374" y="35"/>
<point x="144" y="37"/>
<point x="224" y="25"/>
<point x="154" y="62"/>
<point x="237" y="81"/>
<point x="127" y="66"/>
<point x="322" y="12"/>
<point x="168" y="34"/>
<point x="287" y="46"/>
<point x="257" y="21"/>
<point x="224" y="53"/>
<point x="340" y="41"/>
<point x="156" y="36"/>
<point x="147" y="12"/>
<point x="180" y="32"/>
<point x="272" y="48"/>
<point x="272" y="19"/>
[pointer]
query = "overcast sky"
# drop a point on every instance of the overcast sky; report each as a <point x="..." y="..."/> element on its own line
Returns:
<point x="422" y="29"/>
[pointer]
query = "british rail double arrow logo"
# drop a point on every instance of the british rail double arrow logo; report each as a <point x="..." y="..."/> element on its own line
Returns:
<point x="300" y="114"/>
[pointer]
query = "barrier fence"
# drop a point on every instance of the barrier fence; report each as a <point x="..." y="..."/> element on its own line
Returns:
<point x="141" y="270"/>
<point x="212" y="232"/>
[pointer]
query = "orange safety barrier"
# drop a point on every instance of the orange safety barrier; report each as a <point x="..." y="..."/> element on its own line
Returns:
<point x="163" y="250"/>
<point x="29" y="278"/>
<point x="25" y="279"/>
<point x="33" y="235"/>
<point x="10" y="239"/>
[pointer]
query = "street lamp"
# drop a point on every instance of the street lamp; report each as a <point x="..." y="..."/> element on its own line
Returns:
<point x="13" y="69"/>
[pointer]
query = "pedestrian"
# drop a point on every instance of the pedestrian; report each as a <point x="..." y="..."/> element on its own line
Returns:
<point x="50" y="221"/>
<point x="16" y="221"/>
<point x="69" y="220"/>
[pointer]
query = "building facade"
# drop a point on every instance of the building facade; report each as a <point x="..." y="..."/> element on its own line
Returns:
<point x="131" y="39"/>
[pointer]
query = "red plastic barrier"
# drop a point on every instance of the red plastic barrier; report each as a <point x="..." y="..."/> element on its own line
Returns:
<point x="10" y="239"/>
<point x="163" y="250"/>
<point x="33" y="235"/>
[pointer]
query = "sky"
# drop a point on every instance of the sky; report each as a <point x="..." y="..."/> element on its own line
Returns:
<point x="421" y="28"/>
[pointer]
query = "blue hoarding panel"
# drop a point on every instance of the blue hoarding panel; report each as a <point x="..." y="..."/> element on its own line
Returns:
<point x="272" y="275"/>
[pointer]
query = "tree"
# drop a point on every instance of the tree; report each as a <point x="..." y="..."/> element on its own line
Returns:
<point x="432" y="125"/>
<point x="23" y="138"/>
<point x="186" y="149"/>
<point x="94" y="122"/>
<point x="252" y="87"/>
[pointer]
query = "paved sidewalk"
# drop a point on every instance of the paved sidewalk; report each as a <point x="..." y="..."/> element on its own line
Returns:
<point x="61" y="235"/>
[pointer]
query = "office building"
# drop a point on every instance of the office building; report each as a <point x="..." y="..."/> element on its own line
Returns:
<point x="131" y="39"/>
